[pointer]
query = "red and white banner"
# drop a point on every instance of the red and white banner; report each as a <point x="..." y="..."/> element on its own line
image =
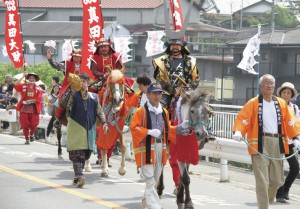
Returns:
<point x="92" y="28"/>
<point x="176" y="12"/>
<point x="13" y="36"/>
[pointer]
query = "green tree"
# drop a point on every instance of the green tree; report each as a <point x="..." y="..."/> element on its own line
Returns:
<point x="283" y="18"/>
<point x="44" y="70"/>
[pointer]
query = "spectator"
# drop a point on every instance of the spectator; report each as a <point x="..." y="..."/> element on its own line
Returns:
<point x="7" y="87"/>
<point x="55" y="81"/>
<point x="52" y="98"/>
<point x="286" y="92"/>
<point x="14" y="126"/>
<point x="44" y="98"/>
<point x="5" y="94"/>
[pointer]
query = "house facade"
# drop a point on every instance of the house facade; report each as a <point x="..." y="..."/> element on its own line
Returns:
<point x="46" y="20"/>
<point x="279" y="56"/>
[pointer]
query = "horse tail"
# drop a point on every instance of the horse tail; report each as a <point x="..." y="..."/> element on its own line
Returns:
<point x="50" y="125"/>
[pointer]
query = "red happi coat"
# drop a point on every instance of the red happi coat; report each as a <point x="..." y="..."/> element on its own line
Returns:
<point x="22" y="88"/>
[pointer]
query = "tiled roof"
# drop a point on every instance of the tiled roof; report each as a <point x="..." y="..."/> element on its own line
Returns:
<point x="109" y="4"/>
<point x="278" y="37"/>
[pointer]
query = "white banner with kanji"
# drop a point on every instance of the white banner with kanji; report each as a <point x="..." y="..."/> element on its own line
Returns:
<point x="122" y="47"/>
<point x="154" y="44"/>
<point x="251" y="50"/>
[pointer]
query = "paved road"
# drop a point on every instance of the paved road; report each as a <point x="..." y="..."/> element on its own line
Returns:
<point x="32" y="177"/>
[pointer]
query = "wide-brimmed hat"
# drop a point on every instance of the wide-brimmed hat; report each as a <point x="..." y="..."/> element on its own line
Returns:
<point x="37" y="78"/>
<point x="287" y="85"/>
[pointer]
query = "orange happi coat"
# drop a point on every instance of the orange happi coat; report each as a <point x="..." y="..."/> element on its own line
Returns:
<point x="247" y="123"/>
<point x="139" y="133"/>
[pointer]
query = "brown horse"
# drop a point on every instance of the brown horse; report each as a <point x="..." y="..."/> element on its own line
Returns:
<point x="112" y="100"/>
<point x="64" y="121"/>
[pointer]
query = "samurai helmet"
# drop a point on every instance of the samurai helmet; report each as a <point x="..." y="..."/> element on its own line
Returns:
<point x="75" y="52"/>
<point x="176" y="37"/>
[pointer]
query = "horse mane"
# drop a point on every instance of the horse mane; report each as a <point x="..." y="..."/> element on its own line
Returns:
<point x="116" y="75"/>
<point x="195" y="96"/>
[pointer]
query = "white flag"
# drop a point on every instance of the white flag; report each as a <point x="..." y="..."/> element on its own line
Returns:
<point x="251" y="50"/>
<point x="67" y="48"/>
<point x="4" y="51"/>
<point x="121" y="47"/>
<point x="154" y="44"/>
<point x="31" y="45"/>
<point x="50" y="43"/>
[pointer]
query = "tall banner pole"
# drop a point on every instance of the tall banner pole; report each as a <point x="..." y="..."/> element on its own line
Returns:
<point x="92" y="27"/>
<point x="13" y="34"/>
<point x="258" y="63"/>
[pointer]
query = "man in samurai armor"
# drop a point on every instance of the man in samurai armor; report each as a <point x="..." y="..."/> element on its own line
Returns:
<point x="176" y="71"/>
<point x="83" y="109"/>
<point x="106" y="59"/>
<point x="68" y="66"/>
<point x="30" y="104"/>
<point x="103" y="61"/>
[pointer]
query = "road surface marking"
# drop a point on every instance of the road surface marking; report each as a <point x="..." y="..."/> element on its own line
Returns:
<point x="62" y="188"/>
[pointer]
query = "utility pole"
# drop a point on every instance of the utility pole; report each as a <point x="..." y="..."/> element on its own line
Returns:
<point x="273" y="16"/>
<point x="241" y="17"/>
<point x="231" y="21"/>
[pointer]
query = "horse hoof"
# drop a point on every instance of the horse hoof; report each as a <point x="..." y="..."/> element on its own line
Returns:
<point x="180" y="205"/>
<point x="88" y="169"/>
<point x="189" y="205"/>
<point x="122" y="171"/>
<point x="104" y="174"/>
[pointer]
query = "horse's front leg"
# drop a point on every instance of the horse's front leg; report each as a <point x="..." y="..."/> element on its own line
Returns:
<point x="58" y="135"/>
<point x="185" y="181"/>
<point x="122" y="169"/>
<point x="104" y="165"/>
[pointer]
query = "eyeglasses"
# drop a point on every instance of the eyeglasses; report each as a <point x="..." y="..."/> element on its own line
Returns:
<point x="269" y="84"/>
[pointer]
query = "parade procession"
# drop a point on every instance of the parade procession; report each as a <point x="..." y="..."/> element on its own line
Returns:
<point x="129" y="104"/>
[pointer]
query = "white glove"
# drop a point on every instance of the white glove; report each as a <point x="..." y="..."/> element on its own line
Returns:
<point x="296" y="144"/>
<point x="154" y="132"/>
<point x="116" y="109"/>
<point x="105" y="128"/>
<point x="185" y="124"/>
<point x="237" y="136"/>
<point x="125" y="128"/>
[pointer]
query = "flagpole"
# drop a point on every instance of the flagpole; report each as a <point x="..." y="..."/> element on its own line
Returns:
<point x="258" y="63"/>
<point x="23" y="53"/>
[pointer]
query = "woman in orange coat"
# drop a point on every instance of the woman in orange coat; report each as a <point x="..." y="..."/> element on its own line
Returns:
<point x="150" y="128"/>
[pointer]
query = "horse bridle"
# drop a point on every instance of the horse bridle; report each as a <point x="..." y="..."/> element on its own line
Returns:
<point x="121" y="93"/>
<point x="200" y="122"/>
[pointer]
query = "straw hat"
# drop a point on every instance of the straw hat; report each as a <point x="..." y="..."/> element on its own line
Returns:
<point x="287" y="85"/>
<point x="37" y="78"/>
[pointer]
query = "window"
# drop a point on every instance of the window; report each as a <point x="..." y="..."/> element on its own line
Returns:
<point x="110" y="19"/>
<point x="297" y="64"/>
<point x="227" y="89"/>
<point x="284" y="58"/>
<point x="75" y="18"/>
<point x="264" y="56"/>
